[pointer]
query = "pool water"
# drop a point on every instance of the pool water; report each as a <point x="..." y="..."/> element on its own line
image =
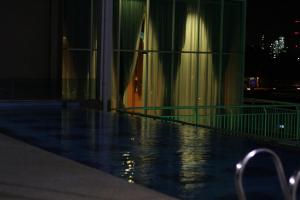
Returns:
<point x="180" y="160"/>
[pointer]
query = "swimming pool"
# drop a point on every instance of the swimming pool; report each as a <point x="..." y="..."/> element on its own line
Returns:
<point x="179" y="160"/>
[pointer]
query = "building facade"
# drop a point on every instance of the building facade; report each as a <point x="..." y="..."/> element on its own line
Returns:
<point x="178" y="52"/>
<point x="133" y="53"/>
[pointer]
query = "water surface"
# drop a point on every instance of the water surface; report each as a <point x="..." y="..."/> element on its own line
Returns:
<point x="179" y="160"/>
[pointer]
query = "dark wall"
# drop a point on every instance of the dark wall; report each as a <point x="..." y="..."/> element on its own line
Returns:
<point x="25" y="48"/>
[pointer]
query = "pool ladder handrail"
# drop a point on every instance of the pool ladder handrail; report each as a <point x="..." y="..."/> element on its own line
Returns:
<point x="294" y="181"/>
<point x="280" y="172"/>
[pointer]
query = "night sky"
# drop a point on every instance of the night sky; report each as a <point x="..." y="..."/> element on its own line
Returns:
<point x="273" y="19"/>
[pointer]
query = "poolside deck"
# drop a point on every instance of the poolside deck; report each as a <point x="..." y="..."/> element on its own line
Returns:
<point x="29" y="173"/>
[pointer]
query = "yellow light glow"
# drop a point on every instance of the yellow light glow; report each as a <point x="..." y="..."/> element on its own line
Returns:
<point x="193" y="67"/>
<point x="130" y="181"/>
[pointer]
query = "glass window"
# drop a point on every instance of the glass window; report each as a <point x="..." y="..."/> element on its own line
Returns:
<point x="189" y="69"/>
<point x="76" y="23"/>
<point x="160" y="26"/>
<point x="76" y="67"/>
<point x="233" y="33"/>
<point x="133" y="15"/>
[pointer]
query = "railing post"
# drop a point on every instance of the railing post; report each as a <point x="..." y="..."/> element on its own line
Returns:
<point x="294" y="181"/>
<point x="265" y="121"/>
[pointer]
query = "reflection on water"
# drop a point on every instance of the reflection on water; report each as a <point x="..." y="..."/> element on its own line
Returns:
<point x="183" y="161"/>
<point x="193" y="156"/>
<point x="128" y="165"/>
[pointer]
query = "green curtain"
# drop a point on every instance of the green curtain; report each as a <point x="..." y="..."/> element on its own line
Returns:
<point x="232" y="45"/>
<point x="196" y="83"/>
<point x="209" y="15"/>
<point x="161" y="16"/>
<point x="132" y="14"/>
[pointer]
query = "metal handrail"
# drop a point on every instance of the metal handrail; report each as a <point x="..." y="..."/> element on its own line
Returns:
<point x="275" y="121"/>
<point x="183" y="107"/>
<point x="240" y="167"/>
<point x="294" y="181"/>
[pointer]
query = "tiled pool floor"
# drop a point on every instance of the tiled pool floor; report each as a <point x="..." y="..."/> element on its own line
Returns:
<point x="182" y="161"/>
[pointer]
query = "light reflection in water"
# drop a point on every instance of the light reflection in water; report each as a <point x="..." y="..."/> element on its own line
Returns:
<point x="158" y="152"/>
<point x="128" y="167"/>
<point x="193" y="156"/>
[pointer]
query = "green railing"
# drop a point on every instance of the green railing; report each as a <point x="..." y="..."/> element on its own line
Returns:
<point x="278" y="121"/>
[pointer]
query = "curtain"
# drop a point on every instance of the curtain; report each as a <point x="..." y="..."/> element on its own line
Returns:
<point x="132" y="14"/>
<point x="161" y="21"/>
<point x="192" y="71"/>
<point x="197" y="77"/>
<point x="232" y="61"/>
<point x="158" y="65"/>
<point x="161" y="68"/>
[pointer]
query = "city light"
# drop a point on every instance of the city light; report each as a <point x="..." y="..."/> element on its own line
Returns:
<point x="281" y="126"/>
<point x="262" y="42"/>
<point x="277" y="47"/>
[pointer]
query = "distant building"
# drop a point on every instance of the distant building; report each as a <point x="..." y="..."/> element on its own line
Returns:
<point x="262" y="42"/>
<point x="295" y="39"/>
<point x="277" y="47"/>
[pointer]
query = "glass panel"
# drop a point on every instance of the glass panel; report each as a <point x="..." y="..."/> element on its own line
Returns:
<point x="209" y="81"/>
<point x="233" y="78"/>
<point x="186" y="25"/>
<point x="233" y="26"/>
<point x="186" y="79"/>
<point x="115" y="82"/>
<point x="76" y="23"/>
<point x="116" y="30"/>
<point x="197" y="79"/>
<point x="133" y="14"/>
<point x="197" y="26"/>
<point x="97" y="9"/>
<point x="75" y="74"/>
<point x="131" y="79"/>
<point x="128" y="78"/>
<point x="159" y="28"/>
<point x="157" y="79"/>
<point x="209" y="26"/>
<point x="92" y="76"/>
<point x="196" y="82"/>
